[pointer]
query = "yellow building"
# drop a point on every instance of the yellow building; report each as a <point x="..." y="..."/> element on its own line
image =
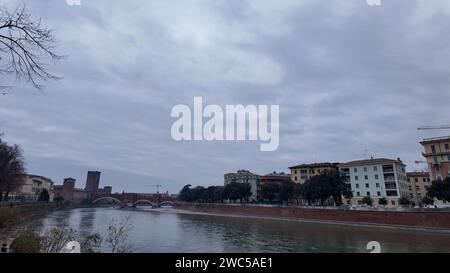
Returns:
<point x="437" y="153"/>
<point x="32" y="188"/>
<point x="418" y="182"/>
<point x="301" y="173"/>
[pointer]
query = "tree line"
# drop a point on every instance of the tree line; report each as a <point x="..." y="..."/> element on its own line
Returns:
<point x="217" y="194"/>
<point x="326" y="188"/>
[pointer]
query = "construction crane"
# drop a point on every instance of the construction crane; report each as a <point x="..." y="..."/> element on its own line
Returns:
<point x="439" y="127"/>
<point x="157" y="187"/>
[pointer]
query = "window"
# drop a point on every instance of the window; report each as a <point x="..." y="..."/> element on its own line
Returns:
<point x="416" y="180"/>
<point x="433" y="149"/>
<point x="365" y="169"/>
<point x="368" y="193"/>
<point x="357" y="186"/>
<point x="295" y="178"/>
<point x="447" y="147"/>
<point x="424" y="180"/>
<point x="358" y="194"/>
<point x="378" y="193"/>
<point x="355" y="170"/>
<point x="367" y="185"/>
<point x="376" y="176"/>
<point x="366" y="177"/>
<point x="448" y="157"/>
<point x="359" y="202"/>
<point x="377" y="185"/>
<point x="375" y="168"/>
<point x="356" y="177"/>
<point x="295" y="172"/>
<point x="393" y="202"/>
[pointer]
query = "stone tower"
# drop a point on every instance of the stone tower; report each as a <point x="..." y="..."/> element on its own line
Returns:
<point x="92" y="183"/>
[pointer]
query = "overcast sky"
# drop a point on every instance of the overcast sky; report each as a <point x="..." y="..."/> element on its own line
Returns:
<point x="351" y="81"/>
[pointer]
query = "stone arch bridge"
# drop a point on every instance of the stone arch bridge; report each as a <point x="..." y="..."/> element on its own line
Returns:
<point x="134" y="199"/>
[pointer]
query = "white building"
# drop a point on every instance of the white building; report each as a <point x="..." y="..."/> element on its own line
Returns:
<point x="244" y="176"/>
<point x="377" y="178"/>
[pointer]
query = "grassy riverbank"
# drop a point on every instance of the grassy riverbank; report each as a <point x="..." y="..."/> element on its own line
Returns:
<point x="10" y="216"/>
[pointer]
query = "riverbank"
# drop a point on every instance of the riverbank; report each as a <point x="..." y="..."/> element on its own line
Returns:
<point x="10" y="216"/>
<point x="415" y="220"/>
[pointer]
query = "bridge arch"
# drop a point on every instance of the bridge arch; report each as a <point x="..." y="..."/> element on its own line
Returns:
<point x="166" y="203"/>
<point x="107" y="198"/>
<point x="144" y="201"/>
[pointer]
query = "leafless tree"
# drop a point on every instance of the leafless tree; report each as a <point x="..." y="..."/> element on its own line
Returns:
<point x="55" y="239"/>
<point x="12" y="170"/>
<point x="25" y="46"/>
<point x="117" y="235"/>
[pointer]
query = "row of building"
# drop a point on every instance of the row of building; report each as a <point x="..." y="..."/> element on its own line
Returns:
<point x="34" y="185"/>
<point x="374" y="177"/>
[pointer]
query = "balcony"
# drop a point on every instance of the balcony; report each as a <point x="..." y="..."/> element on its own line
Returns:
<point x="435" y="154"/>
<point x="391" y="193"/>
<point x="390" y="186"/>
<point x="389" y="178"/>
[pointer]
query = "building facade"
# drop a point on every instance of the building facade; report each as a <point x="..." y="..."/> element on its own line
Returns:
<point x="418" y="183"/>
<point x="301" y="173"/>
<point x="245" y="176"/>
<point x="437" y="153"/>
<point x="275" y="177"/>
<point x="377" y="178"/>
<point x="32" y="188"/>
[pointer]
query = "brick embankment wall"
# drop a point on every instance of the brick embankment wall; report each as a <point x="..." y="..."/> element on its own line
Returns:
<point x="419" y="219"/>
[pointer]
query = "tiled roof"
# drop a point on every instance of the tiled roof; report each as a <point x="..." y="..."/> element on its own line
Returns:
<point x="418" y="174"/>
<point x="374" y="161"/>
<point x="315" y="165"/>
<point x="435" y="139"/>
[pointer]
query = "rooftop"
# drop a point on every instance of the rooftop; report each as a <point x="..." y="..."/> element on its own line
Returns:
<point x="435" y="139"/>
<point x="417" y="174"/>
<point x="40" y="177"/>
<point x="278" y="174"/>
<point x="315" y="165"/>
<point x="372" y="161"/>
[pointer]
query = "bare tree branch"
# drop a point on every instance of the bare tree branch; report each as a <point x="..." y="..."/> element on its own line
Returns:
<point x="25" y="46"/>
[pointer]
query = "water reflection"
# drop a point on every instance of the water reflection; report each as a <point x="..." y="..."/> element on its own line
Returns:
<point x="165" y="231"/>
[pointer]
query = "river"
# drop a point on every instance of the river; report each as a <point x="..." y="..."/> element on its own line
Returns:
<point x="168" y="230"/>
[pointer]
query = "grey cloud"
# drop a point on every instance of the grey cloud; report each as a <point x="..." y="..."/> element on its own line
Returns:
<point x="348" y="77"/>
